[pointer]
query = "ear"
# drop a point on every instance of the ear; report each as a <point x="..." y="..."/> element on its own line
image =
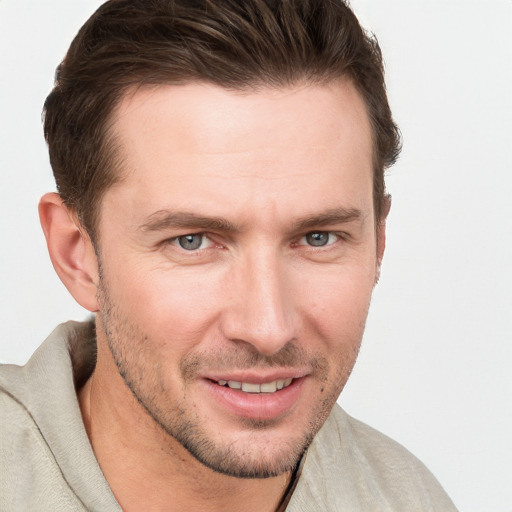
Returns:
<point x="381" y="235"/>
<point x="71" y="250"/>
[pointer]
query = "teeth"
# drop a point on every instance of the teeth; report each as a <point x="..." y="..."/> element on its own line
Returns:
<point x="266" y="387"/>
<point x="251" y="388"/>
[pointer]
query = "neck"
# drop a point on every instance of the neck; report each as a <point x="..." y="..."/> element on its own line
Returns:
<point x="146" y="468"/>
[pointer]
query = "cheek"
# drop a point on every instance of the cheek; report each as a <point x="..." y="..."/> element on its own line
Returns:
<point x="338" y="319"/>
<point x="339" y="301"/>
<point x="167" y="304"/>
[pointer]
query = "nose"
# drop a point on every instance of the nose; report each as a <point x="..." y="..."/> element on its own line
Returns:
<point x="261" y="309"/>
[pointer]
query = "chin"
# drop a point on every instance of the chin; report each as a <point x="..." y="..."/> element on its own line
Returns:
<point x="258" y="458"/>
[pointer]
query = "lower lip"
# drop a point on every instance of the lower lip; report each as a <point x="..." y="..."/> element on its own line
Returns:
<point x="261" y="406"/>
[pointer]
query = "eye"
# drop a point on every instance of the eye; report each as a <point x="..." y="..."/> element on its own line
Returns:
<point x="319" y="238"/>
<point x="192" y="242"/>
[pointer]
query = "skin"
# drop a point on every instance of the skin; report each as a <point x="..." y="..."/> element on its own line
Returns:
<point x="257" y="178"/>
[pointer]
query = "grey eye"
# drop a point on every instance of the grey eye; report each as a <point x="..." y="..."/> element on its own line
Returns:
<point x="190" y="242"/>
<point x="317" y="238"/>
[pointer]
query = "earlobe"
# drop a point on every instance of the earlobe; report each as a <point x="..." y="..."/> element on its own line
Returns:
<point x="71" y="250"/>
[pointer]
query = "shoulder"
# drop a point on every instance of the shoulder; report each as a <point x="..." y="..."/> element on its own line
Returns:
<point x="367" y="446"/>
<point x="353" y="466"/>
<point x="43" y="440"/>
<point x="34" y="480"/>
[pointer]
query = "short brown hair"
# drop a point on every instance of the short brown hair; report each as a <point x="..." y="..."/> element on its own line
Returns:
<point x="236" y="44"/>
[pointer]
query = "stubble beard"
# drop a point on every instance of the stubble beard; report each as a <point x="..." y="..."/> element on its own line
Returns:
<point x="143" y="375"/>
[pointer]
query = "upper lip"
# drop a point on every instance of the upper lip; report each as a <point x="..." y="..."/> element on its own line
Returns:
<point x="257" y="377"/>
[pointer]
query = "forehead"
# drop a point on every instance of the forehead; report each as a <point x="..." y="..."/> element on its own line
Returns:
<point x="202" y="144"/>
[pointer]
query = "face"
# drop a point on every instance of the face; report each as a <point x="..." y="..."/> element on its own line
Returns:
<point x="238" y="255"/>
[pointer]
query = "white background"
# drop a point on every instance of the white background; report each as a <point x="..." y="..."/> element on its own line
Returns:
<point x="435" y="368"/>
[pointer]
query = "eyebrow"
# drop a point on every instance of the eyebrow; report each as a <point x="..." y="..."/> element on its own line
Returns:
<point x="168" y="219"/>
<point x="328" y="218"/>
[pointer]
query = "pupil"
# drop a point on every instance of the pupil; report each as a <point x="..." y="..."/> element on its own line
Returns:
<point x="317" y="239"/>
<point x="190" y="242"/>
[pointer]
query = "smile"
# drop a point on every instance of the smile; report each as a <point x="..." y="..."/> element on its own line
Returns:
<point x="248" y="387"/>
<point x="256" y="396"/>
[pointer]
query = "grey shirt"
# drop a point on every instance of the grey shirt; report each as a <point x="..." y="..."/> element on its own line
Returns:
<point x="48" y="463"/>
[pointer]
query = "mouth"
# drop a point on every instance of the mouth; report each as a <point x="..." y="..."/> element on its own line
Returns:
<point x="250" y="387"/>
<point x="256" y="397"/>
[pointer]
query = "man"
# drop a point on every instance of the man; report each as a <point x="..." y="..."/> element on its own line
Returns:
<point x="221" y="211"/>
